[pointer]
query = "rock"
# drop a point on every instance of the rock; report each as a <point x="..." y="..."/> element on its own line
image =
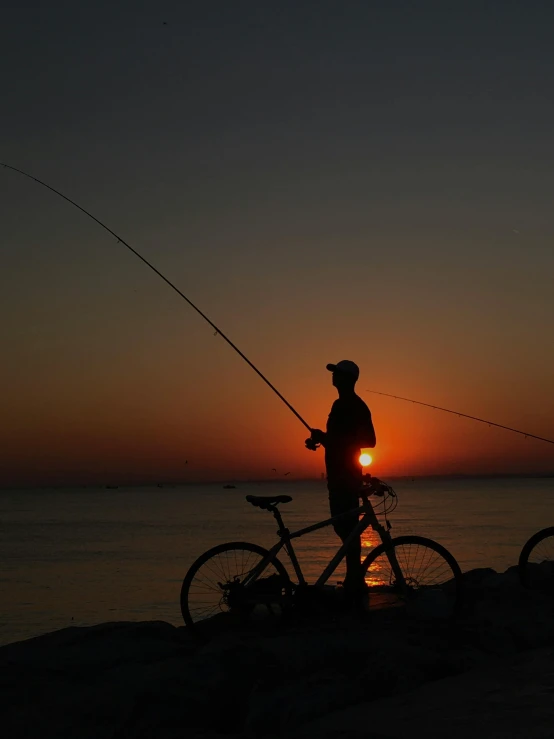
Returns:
<point x="278" y="711"/>
<point x="509" y="697"/>
<point x="474" y="579"/>
<point x="360" y="733"/>
<point x="541" y="575"/>
<point x="430" y="605"/>
<point x="137" y="680"/>
<point x="80" y="651"/>
<point x="506" y="580"/>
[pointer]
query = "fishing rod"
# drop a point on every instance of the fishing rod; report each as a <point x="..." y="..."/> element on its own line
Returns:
<point x="164" y="278"/>
<point x="226" y="338"/>
<point x="464" y="415"/>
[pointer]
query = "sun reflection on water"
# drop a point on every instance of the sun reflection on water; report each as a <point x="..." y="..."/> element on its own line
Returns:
<point x="378" y="574"/>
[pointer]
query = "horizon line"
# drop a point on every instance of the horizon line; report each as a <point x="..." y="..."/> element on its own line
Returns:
<point x="263" y="481"/>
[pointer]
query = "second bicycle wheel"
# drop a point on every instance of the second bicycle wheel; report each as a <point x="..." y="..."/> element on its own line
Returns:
<point x="214" y="584"/>
<point x="536" y="561"/>
<point x="432" y="585"/>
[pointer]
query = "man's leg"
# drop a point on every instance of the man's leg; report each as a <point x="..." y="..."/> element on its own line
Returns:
<point x="354" y="576"/>
<point x="340" y="503"/>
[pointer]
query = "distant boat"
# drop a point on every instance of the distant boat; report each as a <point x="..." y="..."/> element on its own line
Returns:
<point x="229" y="487"/>
<point x="112" y="487"/>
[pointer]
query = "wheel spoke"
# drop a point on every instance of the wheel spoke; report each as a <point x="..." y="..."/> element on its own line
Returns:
<point x="423" y="566"/>
<point x="439" y="566"/>
<point x="207" y="583"/>
<point x="202" y="595"/>
<point x="202" y="613"/>
<point x="221" y="562"/>
<point x="218" y="575"/>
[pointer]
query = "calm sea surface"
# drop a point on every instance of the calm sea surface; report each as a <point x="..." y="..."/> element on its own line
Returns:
<point x="80" y="557"/>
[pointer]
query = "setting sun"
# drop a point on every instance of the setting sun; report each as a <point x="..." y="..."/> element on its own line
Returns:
<point x="365" y="459"/>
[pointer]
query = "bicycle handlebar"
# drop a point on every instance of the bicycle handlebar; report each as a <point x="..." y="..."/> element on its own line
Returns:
<point x="375" y="486"/>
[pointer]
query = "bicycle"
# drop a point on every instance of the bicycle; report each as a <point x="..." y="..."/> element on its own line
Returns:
<point x="228" y="577"/>
<point x="536" y="561"/>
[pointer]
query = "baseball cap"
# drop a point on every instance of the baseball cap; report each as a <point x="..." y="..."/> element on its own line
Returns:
<point x="346" y="366"/>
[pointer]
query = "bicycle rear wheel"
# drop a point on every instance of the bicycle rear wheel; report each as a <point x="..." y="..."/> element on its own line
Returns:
<point x="214" y="584"/>
<point x="536" y="561"/>
<point x="432" y="585"/>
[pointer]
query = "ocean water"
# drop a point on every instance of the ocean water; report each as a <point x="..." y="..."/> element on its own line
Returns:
<point x="84" y="556"/>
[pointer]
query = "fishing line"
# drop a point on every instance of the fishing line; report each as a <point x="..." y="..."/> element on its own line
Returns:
<point x="157" y="271"/>
<point x="226" y="338"/>
<point x="464" y="415"/>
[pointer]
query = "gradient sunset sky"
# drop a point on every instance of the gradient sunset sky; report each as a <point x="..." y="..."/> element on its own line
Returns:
<point x="327" y="180"/>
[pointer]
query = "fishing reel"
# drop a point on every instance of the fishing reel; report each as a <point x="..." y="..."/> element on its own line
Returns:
<point x="314" y="442"/>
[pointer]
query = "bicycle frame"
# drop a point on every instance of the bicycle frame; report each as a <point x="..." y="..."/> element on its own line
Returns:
<point x="369" y="519"/>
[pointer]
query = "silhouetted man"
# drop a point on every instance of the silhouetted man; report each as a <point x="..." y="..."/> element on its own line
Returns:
<point x="349" y="429"/>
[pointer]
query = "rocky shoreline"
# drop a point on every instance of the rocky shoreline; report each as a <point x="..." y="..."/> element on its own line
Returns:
<point x="333" y="677"/>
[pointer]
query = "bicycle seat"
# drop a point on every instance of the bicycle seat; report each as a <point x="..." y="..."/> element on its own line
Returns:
<point x="269" y="501"/>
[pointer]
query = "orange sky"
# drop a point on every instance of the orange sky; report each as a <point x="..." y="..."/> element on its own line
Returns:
<point x="86" y="414"/>
<point x="109" y="376"/>
<point x="369" y="185"/>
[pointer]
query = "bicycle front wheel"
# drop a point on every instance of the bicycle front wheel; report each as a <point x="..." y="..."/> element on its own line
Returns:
<point x="430" y="585"/>
<point x="215" y="584"/>
<point x="536" y="561"/>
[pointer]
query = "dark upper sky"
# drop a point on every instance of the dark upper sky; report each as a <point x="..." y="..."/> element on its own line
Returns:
<point x="365" y="179"/>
